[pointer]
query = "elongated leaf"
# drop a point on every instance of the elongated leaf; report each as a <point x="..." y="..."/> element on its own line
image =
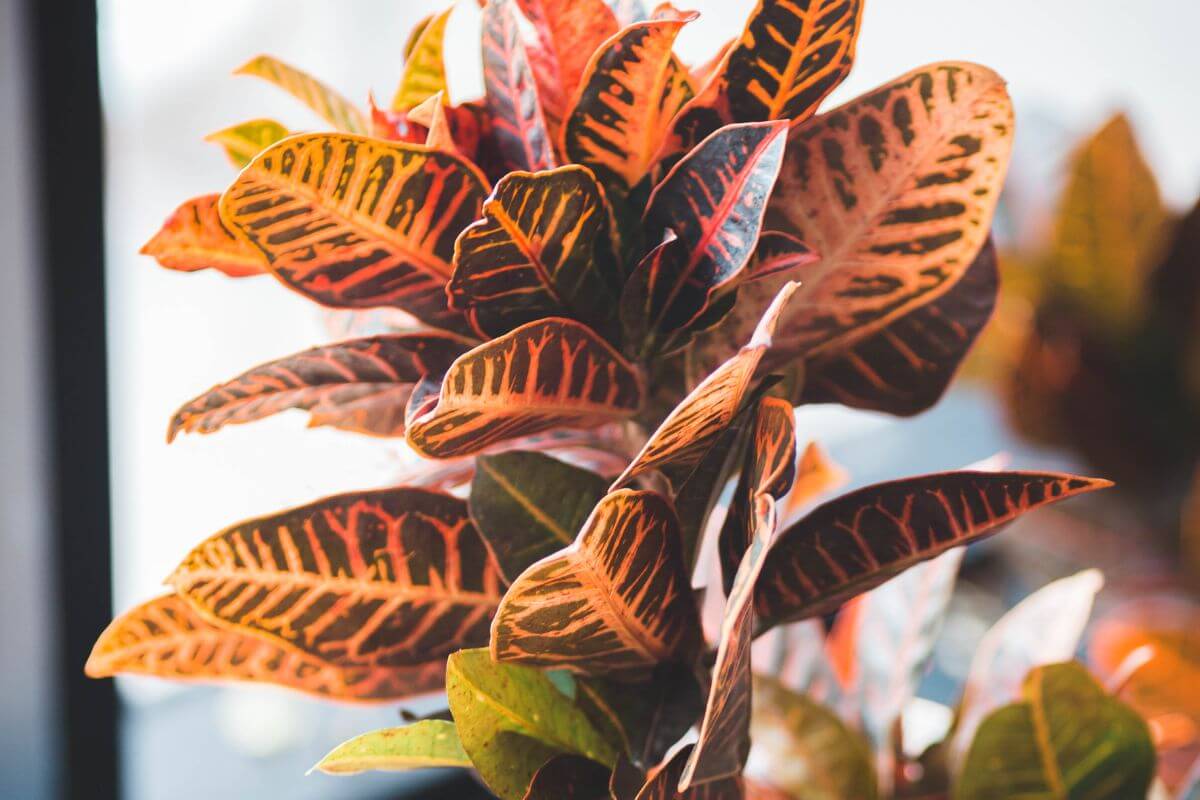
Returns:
<point x="632" y="88"/>
<point x="570" y="777"/>
<point x="859" y="540"/>
<point x="616" y="602"/>
<point x="194" y="238"/>
<point x="512" y="720"/>
<point x="327" y="103"/>
<point x="645" y="718"/>
<point x="769" y="468"/>
<point x="547" y="374"/>
<point x="693" y="425"/>
<point x="723" y="745"/>
<point x="166" y="638"/>
<point x="713" y="200"/>
<point x="568" y="33"/>
<point x="357" y="223"/>
<point x="244" y="141"/>
<point x="905" y="366"/>
<point x="426" y="743"/>
<point x="533" y="255"/>
<point x="778" y="252"/>
<point x="529" y="505"/>
<point x="390" y="577"/>
<point x="513" y="102"/>
<point x="1044" y="628"/>
<point x="804" y="749"/>
<point x="359" y="385"/>
<point x="896" y="191"/>
<point x="1066" y="739"/>
<point x="424" y="71"/>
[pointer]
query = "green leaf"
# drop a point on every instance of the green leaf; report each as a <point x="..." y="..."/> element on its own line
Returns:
<point x="512" y="720"/>
<point x="645" y="719"/>
<point x="428" y="743"/>
<point x="802" y="748"/>
<point x="528" y="505"/>
<point x="244" y="141"/>
<point x="1066" y="740"/>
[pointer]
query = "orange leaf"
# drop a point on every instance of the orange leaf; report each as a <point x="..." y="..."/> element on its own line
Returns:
<point x="194" y="238"/>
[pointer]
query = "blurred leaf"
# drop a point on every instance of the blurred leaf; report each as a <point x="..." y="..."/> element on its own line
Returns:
<point x="243" y="142"/>
<point x="194" y="238"/>
<point x="428" y="743"/>
<point x="424" y="72"/>
<point x="326" y="102"/>
<point x="518" y="122"/>
<point x="569" y="777"/>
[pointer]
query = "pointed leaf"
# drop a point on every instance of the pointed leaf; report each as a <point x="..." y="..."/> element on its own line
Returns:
<point x="533" y="255"/>
<point x="327" y="103"/>
<point x="167" y="638"/>
<point x="1067" y="738"/>
<point x="390" y="577"/>
<point x="548" y="374"/>
<point x="1044" y="628"/>
<point x="632" y="88"/>
<point x="426" y="743"/>
<point x="859" y="540"/>
<point x="424" y="71"/>
<point x="357" y="223"/>
<point x="359" y="385"/>
<point x="512" y="720"/>
<point x="529" y="505"/>
<point x="687" y="432"/>
<point x="805" y="750"/>
<point x="905" y="366"/>
<point x="570" y="777"/>
<point x="617" y="601"/>
<point x="513" y="102"/>
<point x="195" y="238"/>
<point x="243" y="142"/>
<point x="431" y="113"/>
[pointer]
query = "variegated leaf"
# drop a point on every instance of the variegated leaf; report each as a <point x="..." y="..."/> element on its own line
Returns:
<point x="691" y="428"/>
<point x="616" y="602"/>
<point x="244" y="141"/>
<point x="431" y="113"/>
<point x="631" y="90"/>
<point x="778" y="252"/>
<point x="424" y="71"/>
<point x="905" y="366"/>
<point x="513" y="101"/>
<point x="769" y="468"/>
<point x="548" y="374"/>
<point x="859" y="540"/>
<point x="166" y="638"/>
<point x="383" y="578"/>
<point x="359" y="385"/>
<point x="896" y="191"/>
<point x="327" y="103"/>
<point x="357" y="223"/>
<point x="534" y="254"/>
<point x="194" y="238"/>
<point x="713" y="201"/>
<point x="425" y="743"/>
<point x="723" y="744"/>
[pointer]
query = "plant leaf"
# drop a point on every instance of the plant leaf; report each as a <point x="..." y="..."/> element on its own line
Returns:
<point x="512" y="720"/>
<point x="778" y="252"/>
<point x="804" y="749"/>
<point x="528" y="505"/>
<point x="424" y="71"/>
<point x="390" y="577"/>
<point x="662" y="783"/>
<point x="1067" y="738"/>
<point x="166" y="638"/>
<point x="357" y="223"/>
<point x="569" y="777"/>
<point x="816" y="476"/>
<point x="194" y="238"/>
<point x="533" y="255"/>
<point x="513" y="102"/>
<point x="425" y="743"/>
<point x="431" y="113"/>
<point x="688" y="431"/>
<point x="896" y="191"/>
<point x="632" y="88"/>
<point x="859" y="540"/>
<point x="905" y="366"/>
<point x="327" y="103"/>
<point x="360" y="385"/>
<point x="616" y="602"/>
<point x="713" y="201"/>
<point x="1044" y="628"/>
<point x="547" y="374"/>
<point x="244" y="141"/>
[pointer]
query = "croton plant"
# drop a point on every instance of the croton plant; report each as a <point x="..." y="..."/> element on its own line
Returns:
<point x="618" y="275"/>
